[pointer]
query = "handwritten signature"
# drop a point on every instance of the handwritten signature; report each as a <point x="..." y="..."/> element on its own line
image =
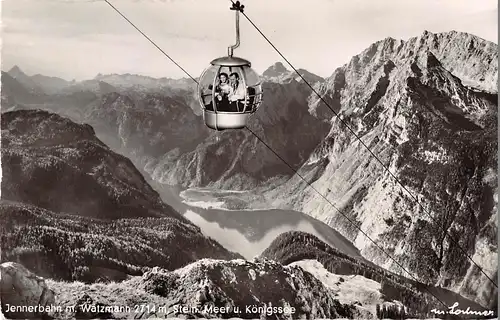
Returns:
<point x="456" y="311"/>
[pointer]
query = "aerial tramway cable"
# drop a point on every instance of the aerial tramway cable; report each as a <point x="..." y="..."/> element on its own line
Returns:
<point x="295" y="171"/>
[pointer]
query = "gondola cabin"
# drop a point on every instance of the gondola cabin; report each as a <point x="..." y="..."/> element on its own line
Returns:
<point x="229" y="93"/>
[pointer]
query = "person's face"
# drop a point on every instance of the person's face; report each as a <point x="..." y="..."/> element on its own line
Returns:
<point x="232" y="79"/>
<point x="223" y="78"/>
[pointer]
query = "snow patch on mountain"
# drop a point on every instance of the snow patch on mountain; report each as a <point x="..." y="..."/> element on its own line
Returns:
<point x="348" y="288"/>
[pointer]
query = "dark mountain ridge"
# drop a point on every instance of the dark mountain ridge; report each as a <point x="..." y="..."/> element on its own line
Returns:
<point x="40" y="151"/>
<point x="75" y="210"/>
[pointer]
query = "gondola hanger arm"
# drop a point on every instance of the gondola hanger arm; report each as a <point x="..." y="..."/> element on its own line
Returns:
<point x="237" y="6"/>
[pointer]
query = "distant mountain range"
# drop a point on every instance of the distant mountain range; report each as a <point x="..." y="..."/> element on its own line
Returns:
<point x="121" y="83"/>
<point x="426" y="107"/>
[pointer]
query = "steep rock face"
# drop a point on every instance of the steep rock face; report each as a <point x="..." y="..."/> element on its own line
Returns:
<point x="236" y="159"/>
<point x="148" y="83"/>
<point x="20" y="288"/>
<point x="146" y="126"/>
<point x="50" y="85"/>
<point x="437" y="135"/>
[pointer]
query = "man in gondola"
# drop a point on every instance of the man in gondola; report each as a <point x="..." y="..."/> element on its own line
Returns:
<point x="237" y="93"/>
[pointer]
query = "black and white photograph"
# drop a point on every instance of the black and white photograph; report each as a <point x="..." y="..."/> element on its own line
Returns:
<point x="252" y="159"/>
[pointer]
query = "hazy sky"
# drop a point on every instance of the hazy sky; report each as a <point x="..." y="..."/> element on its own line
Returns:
<point x="76" y="39"/>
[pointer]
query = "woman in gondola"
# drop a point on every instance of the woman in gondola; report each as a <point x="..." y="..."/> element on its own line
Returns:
<point x="222" y="91"/>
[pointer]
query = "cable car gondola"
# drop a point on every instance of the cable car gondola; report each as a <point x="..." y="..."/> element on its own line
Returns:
<point x="229" y="90"/>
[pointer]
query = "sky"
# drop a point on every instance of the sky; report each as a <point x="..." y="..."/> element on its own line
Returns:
<point x="77" y="39"/>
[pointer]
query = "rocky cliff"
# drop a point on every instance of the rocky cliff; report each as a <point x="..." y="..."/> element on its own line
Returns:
<point x="213" y="289"/>
<point x="146" y="126"/>
<point x="22" y="289"/>
<point x="427" y="108"/>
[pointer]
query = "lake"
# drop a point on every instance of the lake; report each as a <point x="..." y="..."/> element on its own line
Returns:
<point x="248" y="232"/>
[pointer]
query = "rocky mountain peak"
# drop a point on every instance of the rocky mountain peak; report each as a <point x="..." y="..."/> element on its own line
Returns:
<point x="380" y="74"/>
<point x="275" y="70"/>
<point x="278" y="73"/>
<point x="468" y="57"/>
<point x="15" y="72"/>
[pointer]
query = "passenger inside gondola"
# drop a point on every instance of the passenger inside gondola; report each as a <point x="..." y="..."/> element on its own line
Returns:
<point x="222" y="92"/>
<point x="237" y="93"/>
